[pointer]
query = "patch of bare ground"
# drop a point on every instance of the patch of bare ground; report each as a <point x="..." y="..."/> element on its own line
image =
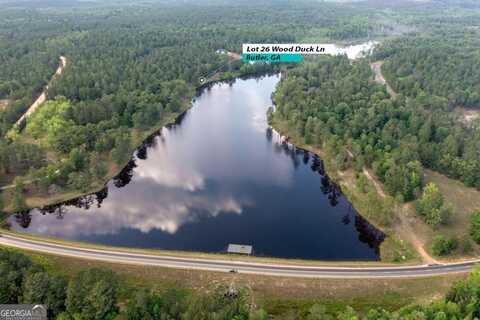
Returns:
<point x="375" y="182"/>
<point x="234" y="55"/>
<point x="467" y="116"/>
<point x="4" y="103"/>
<point x="409" y="226"/>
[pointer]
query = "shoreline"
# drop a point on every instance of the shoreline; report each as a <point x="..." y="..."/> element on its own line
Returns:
<point x="391" y="244"/>
<point x="115" y="170"/>
<point x="173" y="119"/>
<point x="208" y="255"/>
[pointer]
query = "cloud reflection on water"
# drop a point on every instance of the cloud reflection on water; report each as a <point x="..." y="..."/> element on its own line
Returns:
<point x="144" y="210"/>
<point x="220" y="176"/>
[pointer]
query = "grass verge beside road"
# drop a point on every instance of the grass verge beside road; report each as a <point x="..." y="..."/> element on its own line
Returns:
<point x="201" y="255"/>
<point x="277" y="295"/>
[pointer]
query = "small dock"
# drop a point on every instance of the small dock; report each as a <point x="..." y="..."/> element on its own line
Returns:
<point x="240" y="249"/>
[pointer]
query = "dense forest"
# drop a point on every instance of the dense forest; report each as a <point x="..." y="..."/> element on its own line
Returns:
<point x="129" y="70"/>
<point x="100" y="294"/>
<point x="133" y="67"/>
<point x="335" y="104"/>
<point x="446" y="66"/>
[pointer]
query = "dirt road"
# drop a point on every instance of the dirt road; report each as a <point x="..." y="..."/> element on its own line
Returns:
<point x="41" y="99"/>
<point x="379" y="78"/>
<point x="403" y="228"/>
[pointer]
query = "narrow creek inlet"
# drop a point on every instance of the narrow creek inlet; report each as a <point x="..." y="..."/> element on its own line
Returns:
<point x="218" y="176"/>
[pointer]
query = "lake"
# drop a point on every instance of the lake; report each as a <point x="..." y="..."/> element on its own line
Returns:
<point x="218" y="176"/>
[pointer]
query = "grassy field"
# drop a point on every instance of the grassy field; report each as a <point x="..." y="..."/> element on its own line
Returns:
<point x="277" y="295"/>
<point x="464" y="201"/>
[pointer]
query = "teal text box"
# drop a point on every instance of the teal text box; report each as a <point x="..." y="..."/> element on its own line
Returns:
<point x="272" y="57"/>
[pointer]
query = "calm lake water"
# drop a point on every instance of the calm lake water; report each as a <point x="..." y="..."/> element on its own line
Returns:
<point x="218" y="176"/>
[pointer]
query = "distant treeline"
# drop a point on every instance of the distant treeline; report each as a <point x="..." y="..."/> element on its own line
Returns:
<point x="129" y="69"/>
<point x="444" y="66"/>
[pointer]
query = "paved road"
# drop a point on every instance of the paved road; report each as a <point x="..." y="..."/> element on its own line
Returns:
<point x="117" y="256"/>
